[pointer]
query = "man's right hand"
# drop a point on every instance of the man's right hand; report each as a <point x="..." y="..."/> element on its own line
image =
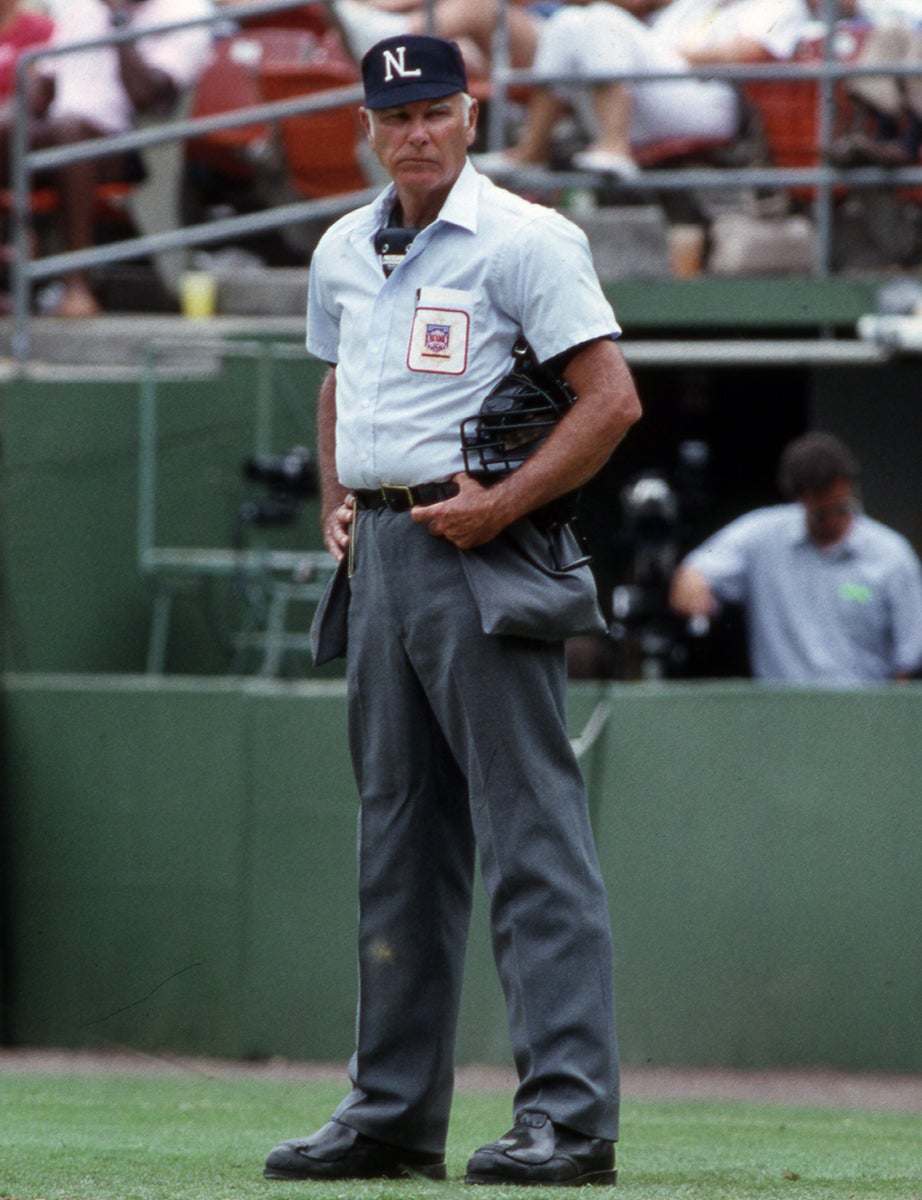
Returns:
<point x="690" y="594"/>
<point x="337" y="527"/>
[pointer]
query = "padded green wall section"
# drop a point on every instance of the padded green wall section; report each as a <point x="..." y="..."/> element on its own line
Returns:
<point x="177" y="854"/>
<point x="181" y="871"/>
<point x="73" y="597"/>
<point x="764" y="846"/>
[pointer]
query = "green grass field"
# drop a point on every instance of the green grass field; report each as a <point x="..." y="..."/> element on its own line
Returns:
<point x="200" y="1137"/>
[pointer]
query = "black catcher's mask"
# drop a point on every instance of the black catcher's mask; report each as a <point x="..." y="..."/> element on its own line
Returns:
<point x="515" y="418"/>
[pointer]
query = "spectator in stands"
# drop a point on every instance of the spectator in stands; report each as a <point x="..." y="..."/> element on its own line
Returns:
<point x="586" y="40"/>
<point x="830" y="595"/>
<point x="20" y="29"/>
<point x="888" y="129"/>
<point x="470" y="23"/>
<point x="98" y="92"/>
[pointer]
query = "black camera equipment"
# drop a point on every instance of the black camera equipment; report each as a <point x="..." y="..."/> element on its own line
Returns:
<point x="289" y="478"/>
<point x="653" y="512"/>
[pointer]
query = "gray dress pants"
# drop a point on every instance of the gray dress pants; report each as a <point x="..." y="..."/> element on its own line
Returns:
<point x="459" y="742"/>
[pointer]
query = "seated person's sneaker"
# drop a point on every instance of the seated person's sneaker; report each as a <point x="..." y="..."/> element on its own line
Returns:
<point x="604" y="162"/>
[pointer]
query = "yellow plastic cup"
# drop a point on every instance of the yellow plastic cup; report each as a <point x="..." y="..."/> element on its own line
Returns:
<point x="198" y="294"/>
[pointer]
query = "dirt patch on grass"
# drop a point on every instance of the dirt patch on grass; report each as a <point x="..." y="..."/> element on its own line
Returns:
<point x="835" y="1089"/>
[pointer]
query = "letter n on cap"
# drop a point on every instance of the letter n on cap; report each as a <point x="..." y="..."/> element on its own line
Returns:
<point x="394" y="62"/>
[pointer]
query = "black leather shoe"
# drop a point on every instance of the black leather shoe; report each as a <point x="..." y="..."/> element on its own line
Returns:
<point x="537" y="1152"/>
<point x="338" y="1152"/>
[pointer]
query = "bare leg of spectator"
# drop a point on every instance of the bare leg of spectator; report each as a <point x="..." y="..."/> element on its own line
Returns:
<point x="469" y="22"/>
<point x="475" y="20"/>
<point x="544" y="111"/>
<point x="76" y="185"/>
<point x="611" y="103"/>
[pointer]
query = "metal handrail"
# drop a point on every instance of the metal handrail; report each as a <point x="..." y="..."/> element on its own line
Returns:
<point x="823" y="177"/>
<point x="275" y="576"/>
<point x="24" y="163"/>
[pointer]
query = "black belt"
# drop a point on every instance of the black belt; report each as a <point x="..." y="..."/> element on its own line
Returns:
<point x="401" y="499"/>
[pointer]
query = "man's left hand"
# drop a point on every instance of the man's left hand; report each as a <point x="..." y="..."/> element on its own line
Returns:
<point x="469" y="519"/>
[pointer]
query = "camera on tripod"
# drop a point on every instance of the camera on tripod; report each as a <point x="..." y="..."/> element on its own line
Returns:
<point x="653" y="514"/>
<point x="288" y="478"/>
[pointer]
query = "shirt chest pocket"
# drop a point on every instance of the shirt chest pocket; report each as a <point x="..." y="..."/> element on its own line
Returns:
<point x="440" y="334"/>
<point x="862" y="610"/>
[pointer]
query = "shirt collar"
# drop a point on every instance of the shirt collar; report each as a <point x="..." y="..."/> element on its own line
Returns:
<point x="845" y="548"/>
<point x="460" y="207"/>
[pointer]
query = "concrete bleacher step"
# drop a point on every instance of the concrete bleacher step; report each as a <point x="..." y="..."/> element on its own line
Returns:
<point x="262" y="301"/>
<point x="630" y="241"/>
<point x="262" y="291"/>
<point x="244" y="288"/>
<point x="119" y="343"/>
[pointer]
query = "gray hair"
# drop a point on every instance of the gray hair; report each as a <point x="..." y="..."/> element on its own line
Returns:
<point x="466" y="101"/>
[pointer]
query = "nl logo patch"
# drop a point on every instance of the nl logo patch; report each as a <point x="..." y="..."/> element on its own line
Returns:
<point x="439" y="337"/>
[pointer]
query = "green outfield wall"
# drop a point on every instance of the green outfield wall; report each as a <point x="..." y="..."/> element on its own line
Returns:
<point x="181" y="876"/>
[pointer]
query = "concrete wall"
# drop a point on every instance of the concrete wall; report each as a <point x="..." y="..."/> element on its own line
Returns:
<point x="180" y="869"/>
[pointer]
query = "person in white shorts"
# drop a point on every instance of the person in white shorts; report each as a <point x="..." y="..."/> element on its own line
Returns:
<point x="589" y="41"/>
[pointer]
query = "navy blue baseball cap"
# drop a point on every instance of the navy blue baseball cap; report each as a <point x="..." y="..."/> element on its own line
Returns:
<point x="399" y="70"/>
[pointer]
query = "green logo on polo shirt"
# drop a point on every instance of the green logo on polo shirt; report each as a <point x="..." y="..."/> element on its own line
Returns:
<point x="857" y="593"/>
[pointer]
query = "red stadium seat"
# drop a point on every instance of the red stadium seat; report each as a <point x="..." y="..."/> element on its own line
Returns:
<point x="230" y="82"/>
<point x="669" y="150"/>
<point x="320" y="148"/>
<point x="311" y="18"/>
<point x="788" y="109"/>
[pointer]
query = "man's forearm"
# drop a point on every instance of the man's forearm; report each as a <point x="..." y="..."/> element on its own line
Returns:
<point x="606" y="408"/>
<point x="334" y="515"/>
<point x="586" y="437"/>
<point x="149" y="89"/>
<point x="332" y="491"/>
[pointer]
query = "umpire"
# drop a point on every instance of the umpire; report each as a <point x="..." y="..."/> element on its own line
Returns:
<point x="455" y="603"/>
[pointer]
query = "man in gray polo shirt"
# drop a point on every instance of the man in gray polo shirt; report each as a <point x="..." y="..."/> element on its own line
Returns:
<point x="830" y="595"/>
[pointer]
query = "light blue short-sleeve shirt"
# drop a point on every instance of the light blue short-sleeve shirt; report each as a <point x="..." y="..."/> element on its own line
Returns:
<point x="417" y="352"/>
<point x="851" y="613"/>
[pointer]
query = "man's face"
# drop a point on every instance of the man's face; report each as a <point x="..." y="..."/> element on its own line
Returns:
<point x="423" y="145"/>
<point x="830" y="513"/>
